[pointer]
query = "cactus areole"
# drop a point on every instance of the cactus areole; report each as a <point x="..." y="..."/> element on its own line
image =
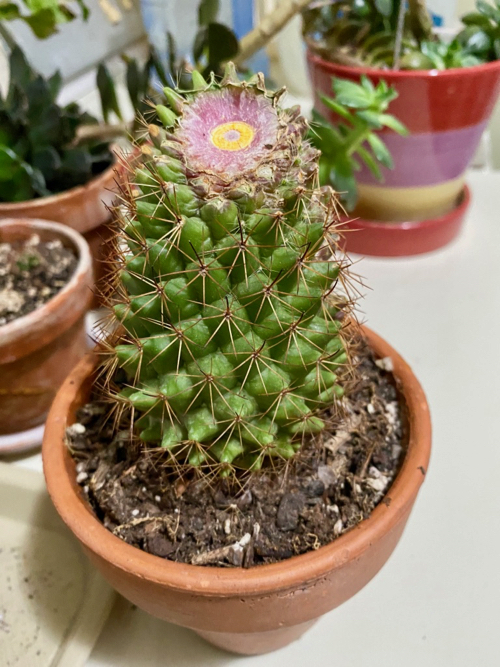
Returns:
<point x="231" y="344"/>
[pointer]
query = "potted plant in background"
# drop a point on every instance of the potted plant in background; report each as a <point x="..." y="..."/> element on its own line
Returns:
<point x="45" y="290"/>
<point x="352" y="143"/>
<point x="220" y="422"/>
<point x="47" y="169"/>
<point x="446" y="93"/>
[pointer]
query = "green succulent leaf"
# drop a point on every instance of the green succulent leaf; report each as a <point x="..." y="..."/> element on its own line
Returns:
<point x="107" y="93"/>
<point x="37" y="136"/>
<point x="488" y="10"/>
<point x="208" y="11"/>
<point x="477" y="19"/>
<point x="370" y="162"/>
<point x="9" y="11"/>
<point x="351" y="94"/>
<point x="380" y="150"/>
<point x="393" y="124"/>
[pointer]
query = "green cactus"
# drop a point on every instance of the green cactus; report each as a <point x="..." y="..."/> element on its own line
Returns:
<point x="231" y="339"/>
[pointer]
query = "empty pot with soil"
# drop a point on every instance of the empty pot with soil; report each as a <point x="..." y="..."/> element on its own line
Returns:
<point x="45" y="291"/>
<point x="240" y="457"/>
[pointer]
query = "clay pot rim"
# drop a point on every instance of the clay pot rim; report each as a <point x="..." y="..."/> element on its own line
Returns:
<point x="426" y="223"/>
<point x="454" y="72"/>
<point x="96" y="182"/>
<point x="262" y="579"/>
<point x="16" y="329"/>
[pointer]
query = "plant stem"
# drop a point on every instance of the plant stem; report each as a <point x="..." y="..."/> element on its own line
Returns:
<point x="269" y="26"/>
<point x="357" y="137"/>
<point x="399" y="34"/>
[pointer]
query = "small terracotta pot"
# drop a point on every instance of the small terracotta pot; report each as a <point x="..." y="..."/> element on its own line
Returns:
<point x="245" y="611"/>
<point x="83" y="208"/>
<point x="38" y="350"/>
<point x="445" y="112"/>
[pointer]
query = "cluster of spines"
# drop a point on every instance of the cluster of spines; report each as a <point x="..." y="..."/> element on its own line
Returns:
<point x="231" y="341"/>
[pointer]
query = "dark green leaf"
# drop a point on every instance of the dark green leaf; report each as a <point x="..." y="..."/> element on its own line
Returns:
<point x="134" y="86"/>
<point x="208" y="11"/>
<point x="9" y="161"/>
<point x="222" y="44"/>
<point x="171" y="53"/>
<point x="55" y="84"/>
<point x="9" y="11"/>
<point x="43" y="23"/>
<point x="107" y="93"/>
<point x="324" y="136"/>
<point x="84" y="9"/>
<point x="20" y="70"/>
<point x="158" y="66"/>
<point x="39" y="98"/>
<point x="474" y="18"/>
<point x="47" y="161"/>
<point x="76" y="167"/>
<point x="46" y="130"/>
<point x="488" y="10"/>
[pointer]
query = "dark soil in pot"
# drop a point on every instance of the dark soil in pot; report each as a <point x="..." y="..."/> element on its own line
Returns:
<point x="334" y="483"/>
<point x="31" y="273"/>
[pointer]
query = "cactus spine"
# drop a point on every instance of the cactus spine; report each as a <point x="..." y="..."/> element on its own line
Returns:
<point x="231" y="337"/>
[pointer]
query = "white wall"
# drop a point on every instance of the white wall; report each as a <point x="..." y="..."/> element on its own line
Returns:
<point x="79" y="45"/>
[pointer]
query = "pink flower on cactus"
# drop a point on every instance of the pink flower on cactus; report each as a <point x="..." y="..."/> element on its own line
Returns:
<point x="228" y="132"/>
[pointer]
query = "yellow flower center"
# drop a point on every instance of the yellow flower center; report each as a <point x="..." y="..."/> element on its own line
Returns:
<point x="232" y="136"/>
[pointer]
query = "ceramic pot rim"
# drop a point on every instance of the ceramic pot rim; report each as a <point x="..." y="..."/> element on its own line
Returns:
<point x="388" y="225"/>
<point x="455" y="72"/>
<point x="13" y="333"/>
<point x="222" y="582"/>
<point x="96" y="183"/>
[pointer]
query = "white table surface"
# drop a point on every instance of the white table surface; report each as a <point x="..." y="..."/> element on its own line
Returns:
<point x="437" y="601"/>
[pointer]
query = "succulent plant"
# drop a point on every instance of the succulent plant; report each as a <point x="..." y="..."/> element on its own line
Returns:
<point x="230" y="336"/>
<point x="40" y="153"/>
<point x="361" y="109"/>
<point x="398" y="34"/>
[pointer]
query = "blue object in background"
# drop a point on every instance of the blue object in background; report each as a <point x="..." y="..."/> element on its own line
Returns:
<point x="437" y="20"/>
<point x="243" y="21"/>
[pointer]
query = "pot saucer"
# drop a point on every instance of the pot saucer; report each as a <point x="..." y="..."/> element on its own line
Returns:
<point x="24" y="441"/>
<point x="403" y="239"/>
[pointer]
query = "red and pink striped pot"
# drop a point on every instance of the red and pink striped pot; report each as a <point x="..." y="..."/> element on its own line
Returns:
<point x="445" y="112"/>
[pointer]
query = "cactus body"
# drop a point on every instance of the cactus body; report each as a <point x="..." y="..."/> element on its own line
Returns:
<point x="231" y="344"/>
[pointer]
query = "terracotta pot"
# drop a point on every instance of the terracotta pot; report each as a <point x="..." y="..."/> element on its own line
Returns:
<point x="401" y="239"/>
<point x="446" y="113"/>
<point x="246" y="611"/>
<point x="83" y="208"/>
<point x="37" y="351"/>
